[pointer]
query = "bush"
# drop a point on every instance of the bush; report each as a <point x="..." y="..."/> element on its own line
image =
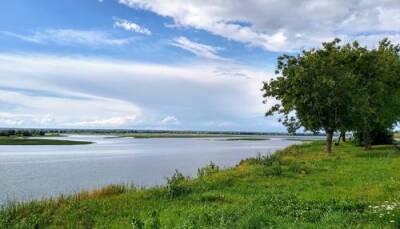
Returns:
<point x="378" y="137"/>
<point x="208" y="170"/>
<point x="175" y="184"/>
<point x="273" y="170"/>
<point x="297" y="167"/>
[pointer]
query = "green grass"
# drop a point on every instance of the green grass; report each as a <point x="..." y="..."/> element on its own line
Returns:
<point x="299" y="187"/>
<point x="30" y="141"/>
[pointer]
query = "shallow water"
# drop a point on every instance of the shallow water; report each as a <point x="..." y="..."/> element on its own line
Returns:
<point x="33" y="172"/>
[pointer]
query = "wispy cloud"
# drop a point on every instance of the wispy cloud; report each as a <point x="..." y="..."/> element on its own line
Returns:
<point x="198" y="49"/>
<point x="108" y="122"/>
<point x="9" y="119"/>
<point x="115" y="93"/>
<point x="69" y="37"/>
<point x="131" y="26"/>
<point x="170" y="120"/>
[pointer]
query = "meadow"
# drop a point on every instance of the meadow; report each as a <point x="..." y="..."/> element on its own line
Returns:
<point x="300" y="186"/>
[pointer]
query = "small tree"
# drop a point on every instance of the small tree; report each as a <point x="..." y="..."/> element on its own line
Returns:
<point x="318" y="88"/>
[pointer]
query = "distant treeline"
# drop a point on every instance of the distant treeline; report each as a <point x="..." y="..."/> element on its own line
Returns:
<point x="22" y="132"/>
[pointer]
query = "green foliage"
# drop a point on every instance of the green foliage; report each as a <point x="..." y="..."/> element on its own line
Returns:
<point x="338" y="88"/>
<point x="154" y="221"/>
<point x="299" y="168"/>
<point x="208" y="170"/>
<point x="28" y="141"/>
<point x="176" y="184"/>
<point x="137" y="223"/>
<point x="378" y="137"/>
<point x="273" y="170"/>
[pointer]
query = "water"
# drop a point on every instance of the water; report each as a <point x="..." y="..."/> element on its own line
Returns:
<point x="34" y="172"/>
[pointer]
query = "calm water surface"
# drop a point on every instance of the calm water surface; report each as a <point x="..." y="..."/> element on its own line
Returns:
<point x="32" y="172"/>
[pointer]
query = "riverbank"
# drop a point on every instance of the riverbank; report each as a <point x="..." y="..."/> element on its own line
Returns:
<point x="38" y="141"/>
<point x="300" y="186"/>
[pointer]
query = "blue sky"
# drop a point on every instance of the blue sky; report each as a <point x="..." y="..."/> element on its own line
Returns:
<point x="156" y="64"/>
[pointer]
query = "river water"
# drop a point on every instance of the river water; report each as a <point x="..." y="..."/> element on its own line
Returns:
<point x="34" y="172"/>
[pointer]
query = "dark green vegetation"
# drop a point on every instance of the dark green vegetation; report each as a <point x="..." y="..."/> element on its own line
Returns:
<point x="339" y="88"/>
<point x="29" y="141"/>
<point x="299" y="187"/>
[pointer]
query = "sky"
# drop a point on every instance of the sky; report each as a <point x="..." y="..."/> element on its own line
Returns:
<point x="156" y="64"/>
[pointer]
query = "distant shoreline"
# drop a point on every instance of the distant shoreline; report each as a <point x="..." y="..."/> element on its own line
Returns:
<point x="36" y="141"/>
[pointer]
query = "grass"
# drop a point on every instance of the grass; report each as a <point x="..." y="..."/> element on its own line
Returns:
<point x="299" y="187"/>
<point x="30" y="141"/>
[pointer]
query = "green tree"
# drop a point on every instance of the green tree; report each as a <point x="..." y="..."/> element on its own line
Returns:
<point x="318" y="88"/>
<point x="378" y="72"/>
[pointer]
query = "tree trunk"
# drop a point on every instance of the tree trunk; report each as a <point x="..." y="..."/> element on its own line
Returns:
<point x="338" y="140"/>
<point x="343" y="135"/>
<point x="367" y="140"/>
<point x="328" y="143"/>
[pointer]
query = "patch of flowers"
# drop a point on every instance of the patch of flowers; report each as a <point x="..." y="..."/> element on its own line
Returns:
<point x="388" y="211"/>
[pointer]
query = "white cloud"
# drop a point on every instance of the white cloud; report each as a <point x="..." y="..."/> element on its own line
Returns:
<point x="170" y="120"/>
<point x="109" y="122"/>
<point x="58" y="111"/>
<point x="201" y="50"/>
<point x="281" y="25"/>
<point x="131" y="26"/>
<point x="8" y="119"/>
<point x="70" y="36"/>
<point x="61" y="91"/>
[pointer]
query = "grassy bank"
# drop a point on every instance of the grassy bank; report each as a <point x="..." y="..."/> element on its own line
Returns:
<point x="30" y="141"/>
<point x="300" y="187"/>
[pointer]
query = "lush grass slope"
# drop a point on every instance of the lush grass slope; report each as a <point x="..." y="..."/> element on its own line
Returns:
<point x="30" y="141"/>
<point x="300" y="187"/>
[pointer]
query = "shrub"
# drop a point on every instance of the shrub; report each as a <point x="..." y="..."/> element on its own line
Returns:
<point x="297" y="167"/>
<point x="208" y="170"/>
<point x="273" y="170"/>
<point x="276" y="169"/>
<point x="259" y="159"/>
<point x="175" y="184"/>
<point x="378" y="137"/>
